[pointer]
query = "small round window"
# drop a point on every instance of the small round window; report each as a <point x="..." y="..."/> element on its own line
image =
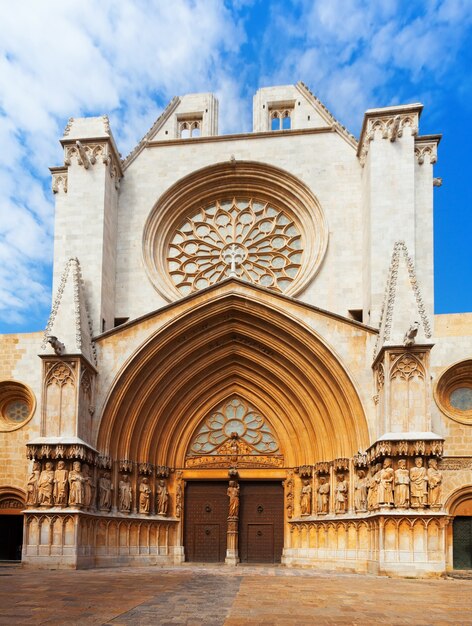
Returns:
<point x="453" y="392"/>
<point x="461" y="398"/>
<point x="17" y="405"/>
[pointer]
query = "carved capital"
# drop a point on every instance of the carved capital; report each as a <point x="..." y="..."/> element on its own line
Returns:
<point x="125" y="465"/>
<point x="146" y="469"/>
<point x="162" y="471"/>
<point x="322" y="467"/>
<point x="104" y="462"/>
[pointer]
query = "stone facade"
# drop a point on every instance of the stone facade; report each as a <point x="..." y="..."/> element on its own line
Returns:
<point x="254" y="307"/>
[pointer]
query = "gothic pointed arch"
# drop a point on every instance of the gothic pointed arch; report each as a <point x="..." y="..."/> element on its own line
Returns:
<point x="232" y="345"/>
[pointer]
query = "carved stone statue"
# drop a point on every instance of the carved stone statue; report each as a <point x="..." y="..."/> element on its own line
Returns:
<point x="32" y="497"/>
<point x="323" y="496"/>
<point x="46" y="485"/>
<point x="104" y="492"/>
<point x="418" y="484"/>
<point x="373" y="495"/>
<point x="88" y="485"/>
<point x="233" y="494"/>
<point x="340" y="496"/>
<point x="434" y="484"/>
<point x="410" y="335"/>
<point x="305" y="498"/>
<point x="162" y="497"/>
<point x="385" y="489"/>
<point x="61" y="484"/>
<point x="76" y="485"/>
<point x="402" y="486"/>
<point x="178" y="499"/>
<point x="125" y="494"/>
<point x="144" y="495"/>
<point x="360" y="492"/>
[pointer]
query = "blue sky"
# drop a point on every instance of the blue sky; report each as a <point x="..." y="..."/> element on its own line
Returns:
<point x="128" y="59"/>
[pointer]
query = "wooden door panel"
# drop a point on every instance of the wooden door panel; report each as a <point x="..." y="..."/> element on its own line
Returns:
<point x="207" y="543"/>
<point x="206" y="512"/>
<point x="260" y="543"/>
<point x="261" y="522"/>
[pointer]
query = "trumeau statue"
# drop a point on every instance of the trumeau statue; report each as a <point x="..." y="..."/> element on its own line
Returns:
<point x="360" y="492"/>
<point x="323" y="496"/>
<point x="402" y="486"/>
<point x="418" y="484"/>
<point x="233" y="494"/>
<point x="46" y="485"/>
<point x="305" y="498"/>
<point x="61" y="484"/>
<point x="125" y="494"/>
<point x="144" y="496"/>
<point x="434" y="484"/>
<point x="385" y="488"/>
<point x="162" y="497"/>
<point x="32" y="498"/>
<point x="104" y="492"/>
<point x="76" y="483"/>
<point x="340" y="496"/>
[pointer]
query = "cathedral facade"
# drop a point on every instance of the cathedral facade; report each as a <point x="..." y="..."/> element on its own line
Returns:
<point x="242" y="361"/>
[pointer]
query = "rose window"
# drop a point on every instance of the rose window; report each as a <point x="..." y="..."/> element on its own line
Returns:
<point x="234" y="420"/>
<point x="245" y="238"/>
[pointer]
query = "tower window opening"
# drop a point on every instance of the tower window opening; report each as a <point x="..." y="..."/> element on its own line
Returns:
<point x="286" y="121"/>
<point x="190" y="127"/>
<point x="281" y="117"/>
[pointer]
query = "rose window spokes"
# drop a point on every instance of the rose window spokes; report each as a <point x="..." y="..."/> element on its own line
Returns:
<point x="234" y="425"/>
<point x="245" y="238"/>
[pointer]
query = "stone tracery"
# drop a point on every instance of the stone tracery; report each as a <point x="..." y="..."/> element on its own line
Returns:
<point x="240" y="237"/>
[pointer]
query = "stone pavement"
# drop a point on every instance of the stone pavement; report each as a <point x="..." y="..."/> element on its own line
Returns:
<point x="217" y="595"/>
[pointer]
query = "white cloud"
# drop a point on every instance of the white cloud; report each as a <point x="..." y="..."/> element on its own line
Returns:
<point x="60" y="59"/>
<point x="356" y="55"/>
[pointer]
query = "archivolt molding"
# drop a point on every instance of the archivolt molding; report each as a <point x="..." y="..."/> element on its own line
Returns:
<point x="165" y="391"/>
<point x="457" y="497"/>
<point x="234" y="179"/>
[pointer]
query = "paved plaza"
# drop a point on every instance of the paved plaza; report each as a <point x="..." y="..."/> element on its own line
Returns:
<point x="194" y="595"/>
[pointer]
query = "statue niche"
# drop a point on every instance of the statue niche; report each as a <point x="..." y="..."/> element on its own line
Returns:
<point x="234" y="434"/>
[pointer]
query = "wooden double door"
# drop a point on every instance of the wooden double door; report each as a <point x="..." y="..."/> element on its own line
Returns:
<point x="260" y="521"/>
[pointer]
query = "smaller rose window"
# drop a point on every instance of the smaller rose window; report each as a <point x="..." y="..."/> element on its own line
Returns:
<point x="17" y="411"/>
<point x="240" y="237"/>
<point x="234" y="420"/>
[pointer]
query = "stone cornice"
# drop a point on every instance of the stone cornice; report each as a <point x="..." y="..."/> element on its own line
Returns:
<point x="242" y="136"/>
<point x="427" y="146"/>
<point x="86" y="151"/>
<point x="59" y="177"/>
<point x="390" y="122"/>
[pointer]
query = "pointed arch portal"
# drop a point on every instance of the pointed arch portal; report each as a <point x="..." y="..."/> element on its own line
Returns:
<point x="233" y="346"/>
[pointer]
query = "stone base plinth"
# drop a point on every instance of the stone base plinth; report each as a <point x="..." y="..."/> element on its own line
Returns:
<point x="69" y="539"/>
